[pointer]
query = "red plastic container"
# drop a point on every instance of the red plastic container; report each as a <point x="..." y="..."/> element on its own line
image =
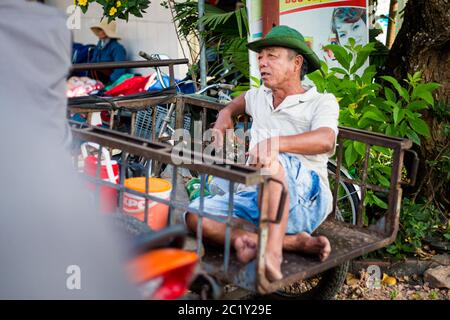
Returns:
<point x="109" y="171"/>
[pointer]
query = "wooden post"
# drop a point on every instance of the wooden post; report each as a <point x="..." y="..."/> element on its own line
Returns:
<point x="270" y="15"/>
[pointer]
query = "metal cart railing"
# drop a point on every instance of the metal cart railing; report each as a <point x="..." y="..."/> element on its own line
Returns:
<point x="348" y="241"/>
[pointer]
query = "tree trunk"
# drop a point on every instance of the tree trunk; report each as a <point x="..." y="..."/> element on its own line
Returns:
<point x="423" y="43"/>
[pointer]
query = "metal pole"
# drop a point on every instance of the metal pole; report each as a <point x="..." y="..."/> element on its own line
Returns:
<point x="201" y="28"/>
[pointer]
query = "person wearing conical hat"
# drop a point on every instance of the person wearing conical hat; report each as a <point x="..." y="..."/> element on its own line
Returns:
<point x="108" y="49"/>
<point x="292" y="136"/>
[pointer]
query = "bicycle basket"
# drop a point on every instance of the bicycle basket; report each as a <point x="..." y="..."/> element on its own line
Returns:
<point x="144" y="119"/>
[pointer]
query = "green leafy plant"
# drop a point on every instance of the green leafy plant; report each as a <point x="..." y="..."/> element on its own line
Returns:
<point x="225" y="36"/>
<point x="417" y="222"/>
<point x="433" y="295"/>
<point x="379" y="104"/>
<point x="116" y="9"/>
<point x="393" y="294"/>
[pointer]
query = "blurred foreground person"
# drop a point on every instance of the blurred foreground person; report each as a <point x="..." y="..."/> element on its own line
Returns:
<point x="52" y="244"/>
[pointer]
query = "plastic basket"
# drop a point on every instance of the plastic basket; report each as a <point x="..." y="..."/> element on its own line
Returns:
<point x="144" y="119"/>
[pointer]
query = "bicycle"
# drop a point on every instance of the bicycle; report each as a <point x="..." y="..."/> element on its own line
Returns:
<point x="164" y="127"/>
<point x="161" y="119"/>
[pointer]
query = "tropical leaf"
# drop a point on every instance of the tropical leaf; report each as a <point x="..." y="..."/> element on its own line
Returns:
<point x="420" y="126"/>
<point x="362" y="56"/>
<point x="341" y="55"/>
<point x="401" y="91"/>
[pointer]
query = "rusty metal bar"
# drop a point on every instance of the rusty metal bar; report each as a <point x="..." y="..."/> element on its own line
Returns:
<point x="394" y="199"/>
<point x="171" y="75"/>
<point x="111" y="119"/>
<point x="360" y="183"/>
<point x="163" y="153"/>
<point x="144" y="103"/>
<point x="127" y="64"/>
<point x="203" y="102"/>
<point x="133" y="124"/>
<point x="360" y="214"/>
<point x="179" y="113"/>
<point x="263" y="236"/>
<point x="147" y="188"/>
<point x="200" y="217"/>
<point x="173" y="194"/>
<point x="338" y="174"/>
<point x="133" y="103"/>
<point x="154" y="123"/>
<point x="226" y="260"/>
<point x="123" y="169"/>
<point x="204" y="119"/>
<point x="374" y="138"/>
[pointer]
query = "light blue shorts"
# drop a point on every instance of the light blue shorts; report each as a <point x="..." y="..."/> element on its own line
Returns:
<point x="308" y="203"/>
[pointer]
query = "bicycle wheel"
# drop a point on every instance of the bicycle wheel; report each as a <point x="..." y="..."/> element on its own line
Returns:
<point x="347" y="195"/>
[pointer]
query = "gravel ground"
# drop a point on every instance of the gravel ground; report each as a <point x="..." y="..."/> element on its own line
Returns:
<point x="356" y="288"/>
<point x="402" y="288"/>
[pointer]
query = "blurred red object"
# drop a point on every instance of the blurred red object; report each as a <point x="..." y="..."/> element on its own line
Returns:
<point x="130" y="86"/>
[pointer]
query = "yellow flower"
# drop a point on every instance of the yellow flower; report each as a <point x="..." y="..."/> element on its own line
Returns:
<point x="82" y="2"/>
<point x="118" y="4"/>
<point x="112" y="11"/>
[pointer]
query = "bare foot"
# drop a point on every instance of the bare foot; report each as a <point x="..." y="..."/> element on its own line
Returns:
<point x="245" y="248"/>
<point x="306" y="243"/>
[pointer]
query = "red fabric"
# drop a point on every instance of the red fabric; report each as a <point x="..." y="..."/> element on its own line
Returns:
<point x="129" y="86"/>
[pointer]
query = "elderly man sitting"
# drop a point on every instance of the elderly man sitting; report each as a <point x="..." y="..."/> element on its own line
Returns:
<point x="293" y="134"/>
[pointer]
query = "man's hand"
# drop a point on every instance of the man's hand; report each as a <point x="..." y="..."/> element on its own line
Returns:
<point x="223" y="123"/>
<point x="265" y="155"/>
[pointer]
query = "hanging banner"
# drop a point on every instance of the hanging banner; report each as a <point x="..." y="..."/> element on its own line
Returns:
<point x="321" y="22"/>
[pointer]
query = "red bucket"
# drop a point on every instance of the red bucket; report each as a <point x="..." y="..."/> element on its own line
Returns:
<point x="109" y="171"/>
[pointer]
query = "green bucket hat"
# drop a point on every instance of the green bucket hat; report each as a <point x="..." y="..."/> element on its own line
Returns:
<point x="284" y="36"/>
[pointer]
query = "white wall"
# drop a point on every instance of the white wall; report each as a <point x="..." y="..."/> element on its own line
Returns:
<point x="154" y="33"/>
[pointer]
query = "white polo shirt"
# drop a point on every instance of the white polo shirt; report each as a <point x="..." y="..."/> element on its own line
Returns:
<point x="296" y="114"/>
